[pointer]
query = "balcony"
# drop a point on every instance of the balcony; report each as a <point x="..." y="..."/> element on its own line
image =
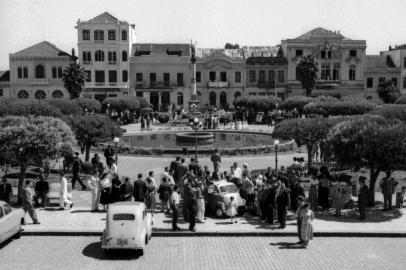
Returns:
<point x="106" y="84"/>
<point x="327" y="84"/>
<point x="158" y="84"/>
<point x="86" y="63"/>
<point x="217" y="84"/>
<point x="39" y="82"/>
<point x="112" y="63"/>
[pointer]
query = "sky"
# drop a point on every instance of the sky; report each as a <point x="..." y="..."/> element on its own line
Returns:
<point x="211" y="23"/>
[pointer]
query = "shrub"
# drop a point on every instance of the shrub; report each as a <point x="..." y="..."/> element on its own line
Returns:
<point x="337" y="107"/>
<point x="401" y="100"/>
<point x="67" y="107"/>
<point x="258" y="104"/>
<point x="391" y="111"/>
<point x="297" y="102"/>
<point x="163" y="118"/>
<point x="24" y="107"/>
<point x="332" y="93"/>
<point x="88" y="103"/>
<point x="120" y="104"/>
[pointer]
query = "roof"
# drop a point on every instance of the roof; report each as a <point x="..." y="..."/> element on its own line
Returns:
<point x="267" y="60"/>
<point x="43" y="48"/>
<point x="126" y="206"/>
<point x="251" y="51"/>
<point x="180" y="49"/>
<point x="320" y="32"/>
<point x="4" y="75"/>
<point x="104" y="17"/>
<point x="222" y="183"/>
<point x="213" y="52"/>
<point x="379" y="61"/>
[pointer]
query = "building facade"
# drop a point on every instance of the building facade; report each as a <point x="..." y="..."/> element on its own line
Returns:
<point x="398" y="56"/>
<point x="341" y="61"/>
<point x="36" y="72"/>
<point x="104" y="49"/>
<point x="378" y="69"/>
<point x="5" y="84"/>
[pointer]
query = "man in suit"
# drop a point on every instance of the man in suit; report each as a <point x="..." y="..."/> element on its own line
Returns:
<point x="174" y="164"/>
<point x="28" y="204"/>
<point x="5" y="191"/>
<point x="190" y="204"/>
<point x="140" y="189"/>
<point x="362" y="197"/>
<point x="216" y="159"/>
<point x="108" y="154"/>
<point x="41" y="191"/>
<point x="76" y="166"/>
<point x="388" y="185"/>
<point x="282" y="202"/>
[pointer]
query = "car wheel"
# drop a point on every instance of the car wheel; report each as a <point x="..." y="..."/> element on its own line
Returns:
<point x="219" y="212"/>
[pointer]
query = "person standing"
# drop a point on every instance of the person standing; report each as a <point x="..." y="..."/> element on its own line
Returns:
<point x="41" y="191"/>
<point x="190" y="204"/>
<point x="94" y="184"/>
<point x="127" y="190"/>
<point x="296" y="191"/>
<point x="164" y="191"/>
<point x="271" y="202"/>
<point x="76" y="166"/>
<point x="174" y="164"/>
<point x="108" y="154"/>
<point x="216" y="159"/>
<point x="388" y="185"/>
<point x="201" y="207"/>
<point x="232" y="209"/>
<point x="95" y="162"/>
<point x="362" y="197"/>
<point x="6" y="191"/>
<point x="174" y="202"/>
<point x="63" y="193"/>
<point x="282" y="202"/>
<point x="105" y="189"/>
<point x="314" y="185"/>
<point x="115" y="194"/>
<point x="140" y="189"/>
<point x="301" y="202"/>
<point x="28" y="205"/>
<point x="150" y="200"/>
<point x="307" y="217"/>
<point x="181" y="172"/>
<point x="114" y="167"/>
<point x="324" y="192"/>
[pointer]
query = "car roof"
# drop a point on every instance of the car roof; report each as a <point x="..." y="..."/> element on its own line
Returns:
<point x="126" y="206"/>
<point x="222" y="183"/>
<point x="2" y="203"/>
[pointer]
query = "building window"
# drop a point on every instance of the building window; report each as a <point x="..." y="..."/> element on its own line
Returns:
<point x="99" y="56"/>
<point x="23" y="94"/>
<point x="237" y="78"/>
<point x="124" y="35"/>
<point x="54" y="73"/>
<point x="19" y="72"/>
<point x="353" y="53"/>
<point x="179" y="79"/>
<point x="40" y="94"/>
<point x="57" y="94"/>
<point x="99" y="35"/>
<point x="152" y="79"/>
<point x="212" y="76"/>
<point x="138" y="77"/>
<point x="167" y="79"/>
<point x="262" y="76"/>
<point x="198" y="76"/>
<point x="223" y="99"/>
<point x="111" y="35"/>
<point x="323" y="54"/>
<point x="25" y="72"/>
<point x="212" y="98"/>
<point x="113" y="76"/>
<point x="39" y="71"/>
<point x="281" y="76"/>
<point x="404" y="82"/>
<point x="370" y="82"/>
<point x="125" y="76"/>
<point x="124" y="56"/>
<point x="59" y="72"/>
<point x="329" y="54"/>
<point x="395" y="81"/>
<point x="325" y="71"/>
<point x="88" y="75"/>
<point x="1" y="92"/>
<point x="180" y="98"/>
<point x="336" y="71"/>
<point x="86" y="56"/>
<point x="85" y="34"/>
<point x="271" y="75"/>
<point x="237" y="95"/>
<point x="351" y="73"/>
<point x="112" y="56"/>
<point x="99" y="76"/>
<point x="299" y="52"/>
<point x="252" y="75"/>
<point x="404" y="62"/>
<point x="381" y="80"/>
<point x="223" y="76"/>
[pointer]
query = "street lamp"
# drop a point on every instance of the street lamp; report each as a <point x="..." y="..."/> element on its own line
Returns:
<point x="196" y="125"/>
<point x="276" y="144"/>
<point x="116" y="140"/>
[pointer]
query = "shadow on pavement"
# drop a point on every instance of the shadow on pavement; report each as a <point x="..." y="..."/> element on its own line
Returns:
<point x="287" y="245"/>
<point x="5" y="243"/>
<point x="262" y="224"/>
<point x="373" y="215"/>
<point x="95" y="251"/>
<point x="81" y="211"/>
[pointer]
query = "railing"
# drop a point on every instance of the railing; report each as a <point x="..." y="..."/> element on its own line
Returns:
<point x="158" y="84"/>
<point x="37" y="81"/>
<point x="106" y="84"/>
<point x="112" y="63"/>
<point x="85" y="63"/>
<point x="217" y="84"/>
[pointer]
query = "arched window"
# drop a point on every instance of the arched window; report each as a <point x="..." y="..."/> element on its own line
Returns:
<point x="39" y="72"/>
<point x="212" y="98"/>
<point x="351" y="73"/>
<point x="125" y="93"/>
<point x="124" y="35"/>
<point x="99" y="56"/>
<point x="124" y="56"/>
<point x="223" y="99"/>
<point x="57" y="94"/>
<point x="180" y="98"/>
<point x="237" y="94"/>
<point x="40" y="94"/>
<point x="23" y="94"/>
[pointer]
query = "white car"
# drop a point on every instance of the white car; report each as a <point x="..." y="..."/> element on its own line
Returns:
<point x="128" y="226"/>
<point x="11" y="220"/>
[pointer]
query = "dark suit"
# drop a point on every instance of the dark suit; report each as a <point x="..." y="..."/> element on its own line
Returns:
<point x="362" y="200"/>
<point x="76" y="166"/>
<point x="140" y="189"/>
<point x="282" y="202"/>
<point x="5" y="192"/>
<point x="270" y="204"/>
<point x="41" y="191"/>
<point x="181" y="170"/>
<point x="190" y="204"/>
<point x="297" y="190"/>
<point x="173" y="166"/>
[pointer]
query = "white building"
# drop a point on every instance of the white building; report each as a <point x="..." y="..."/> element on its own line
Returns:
<point x="104" y="51"/>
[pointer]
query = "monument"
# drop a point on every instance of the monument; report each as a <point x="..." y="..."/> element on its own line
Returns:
<point x="193" y="103"/>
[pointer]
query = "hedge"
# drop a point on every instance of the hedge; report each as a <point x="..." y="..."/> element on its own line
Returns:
<point x="120" y="104"/>
<point x="337" y="107"/>
<point x="332" y="93"/>
<point x="66" y="106"/>
<point x="297" y="102"/>
<point x="88" y="103"/>
<point x="401" y="100"/>
<point x="391" y="111"/>
<point x="257" y="103"/>
<point x="25" y="107"/>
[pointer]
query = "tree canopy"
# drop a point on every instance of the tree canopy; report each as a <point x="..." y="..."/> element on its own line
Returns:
<point x="388" y="91"/>
<point x="74" y="77"/>
<point x="231" y="46"/>
<point x="328" y="106"/>
<point x="26" y="107"/>
<point x="306" y="72"/>
<point x="297" y="102"/>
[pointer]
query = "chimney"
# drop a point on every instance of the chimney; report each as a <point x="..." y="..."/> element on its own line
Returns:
<point x="73" y="52"/>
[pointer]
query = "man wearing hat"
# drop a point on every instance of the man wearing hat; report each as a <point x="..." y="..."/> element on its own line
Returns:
<point x="76" y="165"/>
<point x="362" y="197"/>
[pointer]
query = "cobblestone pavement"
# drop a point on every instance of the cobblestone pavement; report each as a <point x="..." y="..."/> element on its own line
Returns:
<point x="206" y="253"/>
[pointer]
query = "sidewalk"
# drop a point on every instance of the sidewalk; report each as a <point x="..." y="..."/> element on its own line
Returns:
<point x="80" y="221"/>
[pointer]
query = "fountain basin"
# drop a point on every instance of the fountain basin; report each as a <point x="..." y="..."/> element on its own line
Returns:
<point x="190" y="138"/>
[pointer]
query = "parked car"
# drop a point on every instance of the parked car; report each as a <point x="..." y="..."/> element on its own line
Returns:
<point x="128" y="226"/>
<point x="218" y="196"/>
<point x="11" y="220"/>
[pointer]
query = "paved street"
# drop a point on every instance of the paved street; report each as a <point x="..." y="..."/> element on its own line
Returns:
<point x="206" y="253"/>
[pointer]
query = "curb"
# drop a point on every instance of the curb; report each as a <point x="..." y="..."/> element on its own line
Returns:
<point x="225" y="234"/>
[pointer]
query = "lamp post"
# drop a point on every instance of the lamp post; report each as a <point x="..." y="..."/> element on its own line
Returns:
<point x="276" y="144"/>
<point x="116" y="140"/>
<point x="196" y="125"/>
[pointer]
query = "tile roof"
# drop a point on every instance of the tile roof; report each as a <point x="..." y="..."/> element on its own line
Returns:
<point x="321" y="33"/>
<point x="4" y="75"/>
<point x="379" y="61"/>
<point x="43" y="48"/>
<point x="104" y="17"/>
<point x="182" y="49"/>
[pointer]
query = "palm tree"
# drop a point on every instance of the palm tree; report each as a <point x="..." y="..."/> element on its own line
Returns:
<point x="306" y="73"/>
<point x="74" y="78"/>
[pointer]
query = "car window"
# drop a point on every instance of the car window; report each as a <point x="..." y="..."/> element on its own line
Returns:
<point x="123" y="217"/>
<point x="1" y="212"/>
<point x="228" y="189"/>
<point x="7" y="209"/>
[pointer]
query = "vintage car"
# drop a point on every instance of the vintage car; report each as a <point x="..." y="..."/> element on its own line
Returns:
<point x="218" y="195"/>
<point x="11" y="220"/>
<point x="128" y="226"/>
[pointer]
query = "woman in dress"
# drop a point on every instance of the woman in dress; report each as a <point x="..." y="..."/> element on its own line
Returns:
<point x="151" y="192"/>
<point x="232" y="209"/>
<point x="105" y="187"/>
<point x="306" y="227"/>
<point x="314" y="185"/>
<point x="115" y="195"/>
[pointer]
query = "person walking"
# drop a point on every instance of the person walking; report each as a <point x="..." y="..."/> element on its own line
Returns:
<point x="76" y="166"/>
<point x="164" y="191"/>
<point x="63" y="193"/>
<point x="127" y="190"/>
<point x="362" y="197"/>
<point x="282" y="202"/>
<point x="306" y="226"/>
<point x="108" y="154"/>
<point x="388" y="185"/>
<point x="27" y="200"/>
<point x="6" y="191"/>
<point x="216" y="159"/>
<point x="150" y="200"/>
<point x="174" y="202"/>
<point x="140" y="189"/>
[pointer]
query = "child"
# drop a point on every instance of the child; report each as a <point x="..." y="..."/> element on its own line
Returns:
<point x="232" y="209"/>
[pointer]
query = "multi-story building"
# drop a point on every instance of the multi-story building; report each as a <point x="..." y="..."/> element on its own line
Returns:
<point x="36" y="72"/>
<point x="104" y="47"/>
<point x="378" y="69"/>
<point x="161" y="73"/>
<point x="341" y="61"/>
<point x="398" y="55"/>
